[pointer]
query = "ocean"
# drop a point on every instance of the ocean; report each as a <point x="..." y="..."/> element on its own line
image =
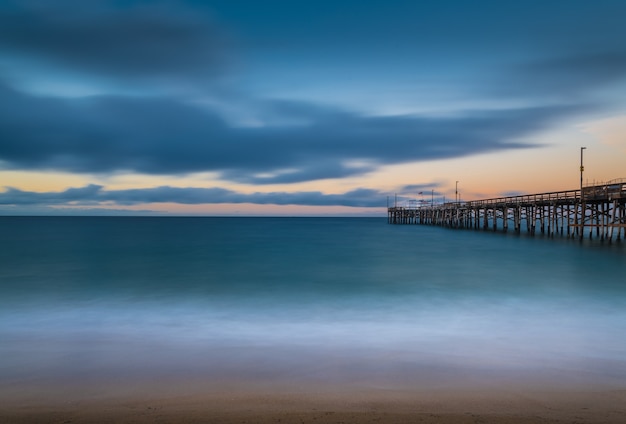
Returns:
<point x="101" y="302"/>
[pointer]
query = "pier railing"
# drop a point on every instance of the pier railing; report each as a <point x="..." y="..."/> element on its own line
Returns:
<point x="527" y="199"/>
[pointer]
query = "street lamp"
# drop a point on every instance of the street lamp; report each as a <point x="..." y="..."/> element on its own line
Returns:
<point x="456" y="192"/>
<point x="582" y="168"/>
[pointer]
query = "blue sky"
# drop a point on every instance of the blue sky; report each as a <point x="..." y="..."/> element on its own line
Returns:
<point x="302" y="107"/>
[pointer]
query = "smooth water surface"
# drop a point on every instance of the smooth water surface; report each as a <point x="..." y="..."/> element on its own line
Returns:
<point x="296" y="300"/>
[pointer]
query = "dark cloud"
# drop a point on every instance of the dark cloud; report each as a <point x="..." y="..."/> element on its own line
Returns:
<point x="563" y="77"/>
<point x="414" y="189"/>
<point x="605" y="67"/>
<point x="96" y="195"/>
<point x="134" y="40"/>
<point x="165" y="136"/>
<point x="305" y="172"/>
<point x="13" y="196"/>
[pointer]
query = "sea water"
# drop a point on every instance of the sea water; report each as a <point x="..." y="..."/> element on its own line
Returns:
<point x="330" y="301"/>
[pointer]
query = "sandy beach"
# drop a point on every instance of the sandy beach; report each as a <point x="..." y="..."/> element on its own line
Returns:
<point x="329" y="406"/>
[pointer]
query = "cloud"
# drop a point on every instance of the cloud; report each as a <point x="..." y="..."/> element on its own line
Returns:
<point x="37" y="210"/>
<point x="291" y="141"/>
<point x="164" y="136"/>
<point x="96" y="195"/>
<point x="564" y="77"/>
<point x="425" y="189"/>
<point x="129" y="40"/>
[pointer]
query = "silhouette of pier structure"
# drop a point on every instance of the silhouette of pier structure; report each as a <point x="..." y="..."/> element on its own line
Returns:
<point x="595" y="211"/>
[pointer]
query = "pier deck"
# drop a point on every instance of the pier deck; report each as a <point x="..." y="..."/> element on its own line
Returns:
<point x="597" y="210"/>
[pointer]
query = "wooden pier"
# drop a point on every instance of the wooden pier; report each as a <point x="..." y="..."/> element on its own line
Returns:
<point x="595" y="211"/>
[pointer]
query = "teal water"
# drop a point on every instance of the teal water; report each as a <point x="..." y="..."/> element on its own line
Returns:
<point x="330" y="300"/>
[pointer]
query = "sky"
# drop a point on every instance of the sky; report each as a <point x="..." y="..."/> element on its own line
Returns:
<point x="293" y="108"/>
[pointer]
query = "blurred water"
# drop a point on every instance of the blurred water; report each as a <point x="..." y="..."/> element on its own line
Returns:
<point x="304" y="299"/>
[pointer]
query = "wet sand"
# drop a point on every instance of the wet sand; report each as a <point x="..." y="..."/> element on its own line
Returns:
<point x="344" y="393"/>
<point x="258" y="405"/>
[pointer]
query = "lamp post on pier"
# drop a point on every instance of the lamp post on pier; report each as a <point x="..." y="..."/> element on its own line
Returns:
<point x="456" y="193"/>
<point x="582" y="169"/>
